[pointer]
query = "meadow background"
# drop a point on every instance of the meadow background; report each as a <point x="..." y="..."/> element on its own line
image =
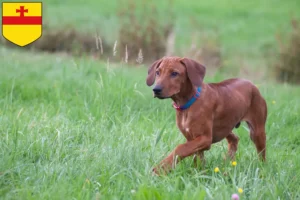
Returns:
<point x="77" y="120"/>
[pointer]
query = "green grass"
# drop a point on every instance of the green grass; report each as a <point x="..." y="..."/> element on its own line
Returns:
<point x="77" y="129"/>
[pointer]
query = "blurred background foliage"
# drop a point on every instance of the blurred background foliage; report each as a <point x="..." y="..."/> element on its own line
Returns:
<point x="241" y="38"/>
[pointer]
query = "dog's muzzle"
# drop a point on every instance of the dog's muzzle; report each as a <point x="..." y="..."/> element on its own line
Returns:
<point x="157" y="91"/>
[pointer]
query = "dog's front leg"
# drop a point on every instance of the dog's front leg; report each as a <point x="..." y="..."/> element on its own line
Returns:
<point x="199" y="156"/>
<point x="201" y="143"/>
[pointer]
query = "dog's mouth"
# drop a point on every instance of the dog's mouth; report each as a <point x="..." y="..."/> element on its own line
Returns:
<point x="159" y="96"/>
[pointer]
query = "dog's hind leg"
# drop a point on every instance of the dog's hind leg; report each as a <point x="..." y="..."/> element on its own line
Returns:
<point x="258" y="136"/>
<point x="233" y="141"/>
<point x="256" y="120"/>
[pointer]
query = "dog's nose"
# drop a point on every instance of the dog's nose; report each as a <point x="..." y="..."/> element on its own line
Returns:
<point x="157" y="89"/>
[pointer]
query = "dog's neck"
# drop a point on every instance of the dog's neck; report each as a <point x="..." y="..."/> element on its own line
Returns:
<point x="187" y="91"/>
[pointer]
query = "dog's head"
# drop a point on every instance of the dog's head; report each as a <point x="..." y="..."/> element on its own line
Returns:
<point x="172" y="73"/>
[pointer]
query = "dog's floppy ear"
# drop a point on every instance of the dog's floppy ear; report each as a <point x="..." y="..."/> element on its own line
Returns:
<point x="151" y="72"/>
<point x="195" y="71"/>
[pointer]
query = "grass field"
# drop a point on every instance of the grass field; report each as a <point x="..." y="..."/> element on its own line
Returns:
<point x="77" y="128"/>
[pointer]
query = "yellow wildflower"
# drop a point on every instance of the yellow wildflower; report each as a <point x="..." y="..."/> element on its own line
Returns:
<point x="273" y="102"/>
<point x="240" y="190"/>
<point x="234" y="163"/>
<point x="217" y="169"/>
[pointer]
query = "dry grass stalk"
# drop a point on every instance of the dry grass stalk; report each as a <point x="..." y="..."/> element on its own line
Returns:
<point x="140" y="57"/>
<point x="115" y="48"/>
<point x="126" y="54"/>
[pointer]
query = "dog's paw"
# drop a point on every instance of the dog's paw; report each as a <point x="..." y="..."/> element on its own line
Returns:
<point x="155" y="171"/>
<point x="161" y="170"/>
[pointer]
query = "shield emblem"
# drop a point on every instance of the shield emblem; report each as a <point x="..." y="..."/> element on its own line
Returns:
<point x="22" y="22"/>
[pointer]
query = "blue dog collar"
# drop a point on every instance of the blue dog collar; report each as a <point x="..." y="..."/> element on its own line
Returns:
<point x="190" y="102"/>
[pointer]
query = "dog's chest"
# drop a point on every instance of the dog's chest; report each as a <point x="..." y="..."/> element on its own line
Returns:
<point x="183" y="124"/>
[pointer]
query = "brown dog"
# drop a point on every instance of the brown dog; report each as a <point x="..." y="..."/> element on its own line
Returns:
<point x="207" y="113"/>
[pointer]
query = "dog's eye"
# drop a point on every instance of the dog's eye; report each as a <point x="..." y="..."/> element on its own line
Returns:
<point x="157" y="73"/>
<point x="174" y="74"/>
